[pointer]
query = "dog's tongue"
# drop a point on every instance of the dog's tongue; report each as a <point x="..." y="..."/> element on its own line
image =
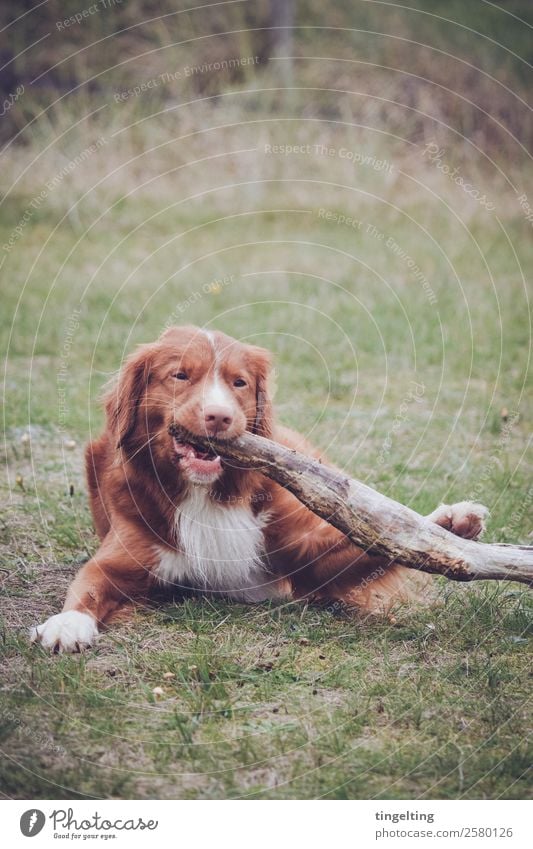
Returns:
<point x="198" y="461"/>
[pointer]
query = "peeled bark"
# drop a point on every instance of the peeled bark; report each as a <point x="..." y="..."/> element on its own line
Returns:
<point x="371" y="520"/>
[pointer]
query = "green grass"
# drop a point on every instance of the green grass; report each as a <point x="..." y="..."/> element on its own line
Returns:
<point x="272" y="701"/>
<point x="278" y="703"/>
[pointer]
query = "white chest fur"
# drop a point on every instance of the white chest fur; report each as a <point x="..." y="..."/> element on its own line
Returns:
<point x="219" y="547"/>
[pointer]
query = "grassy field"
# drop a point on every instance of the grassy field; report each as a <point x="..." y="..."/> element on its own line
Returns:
<point x="397" y="307"/>
<point x="285" y="701"/>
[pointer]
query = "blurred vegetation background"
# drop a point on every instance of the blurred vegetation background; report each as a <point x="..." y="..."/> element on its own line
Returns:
<point x="445" y="60"/>
<point x="135" y="167"/>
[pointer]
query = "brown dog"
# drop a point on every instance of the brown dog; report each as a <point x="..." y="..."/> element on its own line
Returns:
<point x="168" y="513"/>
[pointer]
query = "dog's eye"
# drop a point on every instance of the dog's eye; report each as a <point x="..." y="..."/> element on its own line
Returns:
<point x="239" y="382"/>
<point x="181" y="375"/>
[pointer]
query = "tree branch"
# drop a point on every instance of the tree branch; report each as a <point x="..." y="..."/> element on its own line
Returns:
<point x="372" y="521"/>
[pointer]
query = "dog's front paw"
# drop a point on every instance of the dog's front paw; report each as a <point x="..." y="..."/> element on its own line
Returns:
<point x="69" y="631"/>
<point x="465" y="519"/>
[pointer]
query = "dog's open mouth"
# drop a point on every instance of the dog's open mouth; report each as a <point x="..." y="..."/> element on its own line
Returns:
<point x="194" y="459"/>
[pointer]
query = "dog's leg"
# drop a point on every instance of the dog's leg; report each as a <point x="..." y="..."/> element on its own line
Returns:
<point x="113" y="576"/>
<point x="325" y="564"/>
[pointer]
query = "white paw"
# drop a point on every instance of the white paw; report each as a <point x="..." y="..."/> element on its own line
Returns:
<point x="465" y="519"/>
<point x="66" y="632"/>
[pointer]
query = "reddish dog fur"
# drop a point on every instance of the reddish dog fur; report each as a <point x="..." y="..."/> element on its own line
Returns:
<point x="164" y="511"/>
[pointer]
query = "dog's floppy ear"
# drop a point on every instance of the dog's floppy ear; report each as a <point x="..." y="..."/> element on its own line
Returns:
<point x="123" y="398"/>
<point x="264" y="413"/>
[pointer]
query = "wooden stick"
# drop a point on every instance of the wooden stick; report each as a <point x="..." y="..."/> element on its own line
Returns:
<point x="373" y="521"/>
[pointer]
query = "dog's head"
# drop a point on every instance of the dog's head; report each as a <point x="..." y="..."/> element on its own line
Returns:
<point x="205" y="381"/>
